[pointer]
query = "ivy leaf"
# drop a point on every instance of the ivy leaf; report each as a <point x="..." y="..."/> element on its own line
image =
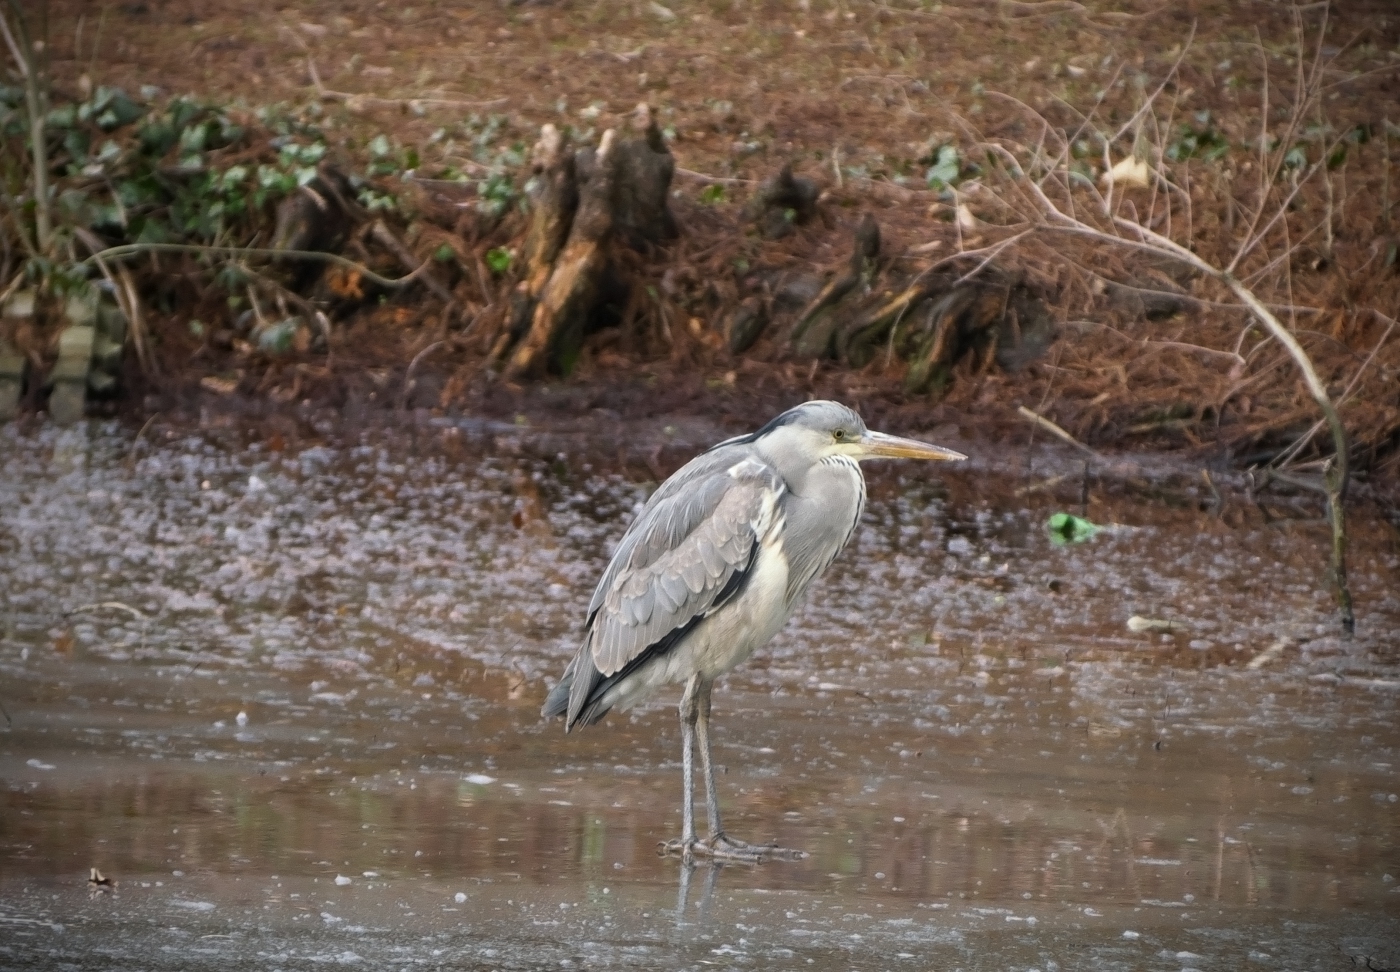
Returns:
<point x="1065" y="528"/>
<point x="947" y="165"/>
<point x="499" y="259"/>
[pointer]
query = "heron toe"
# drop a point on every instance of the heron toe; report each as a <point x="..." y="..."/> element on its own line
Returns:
<point x="722" y="847"/>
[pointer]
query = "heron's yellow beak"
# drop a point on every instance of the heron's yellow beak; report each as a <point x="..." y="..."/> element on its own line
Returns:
<point x="878" y="445"/>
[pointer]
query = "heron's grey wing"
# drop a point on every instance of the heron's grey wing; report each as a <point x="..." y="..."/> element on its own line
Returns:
<point x="695" y="480"/>
<point x="682" y="558"/>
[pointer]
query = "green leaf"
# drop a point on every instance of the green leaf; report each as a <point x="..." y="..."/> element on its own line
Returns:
<point x="1065" y="528"/>
<point x="117" y="109"/>
<point x="712" y="194"/>
<point x="444" y="254"/>
<point x="499" y="259"/>
<point x="946" y="167"/>
<point x="157" y="136"/>
<point x="106" y="216"/>
<point x="183" y="111"/>
<point x="231" y="277"/>
<point x="65" y="116"/>
<point x="376" y="201"/>
<point x="277" y="337"/>
<point x="75" y="142"/>
<point x="153" y="231"/>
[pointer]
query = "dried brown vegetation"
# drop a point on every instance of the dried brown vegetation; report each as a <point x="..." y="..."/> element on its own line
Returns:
<point x="1267" y="129"/>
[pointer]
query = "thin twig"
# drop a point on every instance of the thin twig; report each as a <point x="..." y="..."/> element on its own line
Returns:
<point x="392" y="243"/>
<point x="35" y="108"/>
<point x="106" y="605"/>
<point x="128" y="249"/>
<point x="988" y="253"/>
<point x="714" y="180"/>
<point x="137" y="322"/>
<point x="1166" y="80"/>
<point x="124" y="291"/>
<point x="1055" y="430"/>
<point x="1132" y="233"/>
<point x="413" y="366"/>
<point x="353" y="100"/>
<point x="1342" y="399"/>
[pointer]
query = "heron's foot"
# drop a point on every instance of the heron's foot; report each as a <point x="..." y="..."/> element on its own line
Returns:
<point x="684" y="847"/>
<point x="722" y="847"/>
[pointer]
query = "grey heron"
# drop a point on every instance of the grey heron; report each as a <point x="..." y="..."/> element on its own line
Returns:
<point x="710" y="570"/>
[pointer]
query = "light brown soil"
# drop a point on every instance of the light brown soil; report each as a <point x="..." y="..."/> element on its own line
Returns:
<point x="855" y="94"/>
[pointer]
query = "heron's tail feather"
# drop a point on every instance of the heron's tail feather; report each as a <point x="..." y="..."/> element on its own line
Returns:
<point x="575" y="697"/>
<point x="557" y="702"/>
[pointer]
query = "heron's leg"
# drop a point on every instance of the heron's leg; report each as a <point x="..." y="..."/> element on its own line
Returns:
<point x="689" y="715"/>
<point x="718" y="844"/>
<point x="702" y="730"/>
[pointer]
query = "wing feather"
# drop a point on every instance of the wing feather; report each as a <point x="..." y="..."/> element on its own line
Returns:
<point x="679" y="557"/>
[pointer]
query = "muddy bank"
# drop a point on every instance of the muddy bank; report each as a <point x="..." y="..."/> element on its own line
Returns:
<point x="285" y="692"/>
<point x="394" y="141"/>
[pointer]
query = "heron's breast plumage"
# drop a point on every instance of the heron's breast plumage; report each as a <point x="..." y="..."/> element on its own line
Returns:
<point x="821" y="517"/>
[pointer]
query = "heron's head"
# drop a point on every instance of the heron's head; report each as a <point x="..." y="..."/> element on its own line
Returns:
<point x="817" y="430"/>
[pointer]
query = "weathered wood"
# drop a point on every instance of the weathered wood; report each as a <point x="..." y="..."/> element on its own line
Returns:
<point x="746" y="324"/>
<point x="815" y="331"/>
<point x="589" y="204"/>
<point x="783" y="201"/>
<point x="574" y="282"/>
<point x="553" y="199"/>
<point x="318" y="216"/>
<point x="645" y="168"/>
<point x="966" y="319"/>
<point x="858" y="341"/>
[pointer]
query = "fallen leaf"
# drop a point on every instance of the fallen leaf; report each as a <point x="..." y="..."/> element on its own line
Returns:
<point x="1131" y="172"/>
<point x="345" y="283"/>
<point x="1138" y="624"/>
<point x="224" y="386"/>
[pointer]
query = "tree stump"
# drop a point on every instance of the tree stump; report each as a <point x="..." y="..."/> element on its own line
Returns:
<point x="588" y="207"/>
<point x="783" y="201"/>
<point x="816" y="328"/>
<point x="932" y="321"/>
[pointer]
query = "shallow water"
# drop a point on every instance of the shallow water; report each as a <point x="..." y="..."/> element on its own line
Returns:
<point x="284" y="689"/>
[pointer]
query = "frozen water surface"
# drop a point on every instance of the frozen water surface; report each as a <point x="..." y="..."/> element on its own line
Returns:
<point x="286" y="694"/>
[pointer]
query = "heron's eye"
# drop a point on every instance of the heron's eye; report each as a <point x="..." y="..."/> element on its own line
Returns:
<point x="839" y="434"/>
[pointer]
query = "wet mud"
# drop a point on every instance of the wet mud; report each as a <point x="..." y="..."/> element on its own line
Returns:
<point x="285" y="694"/>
